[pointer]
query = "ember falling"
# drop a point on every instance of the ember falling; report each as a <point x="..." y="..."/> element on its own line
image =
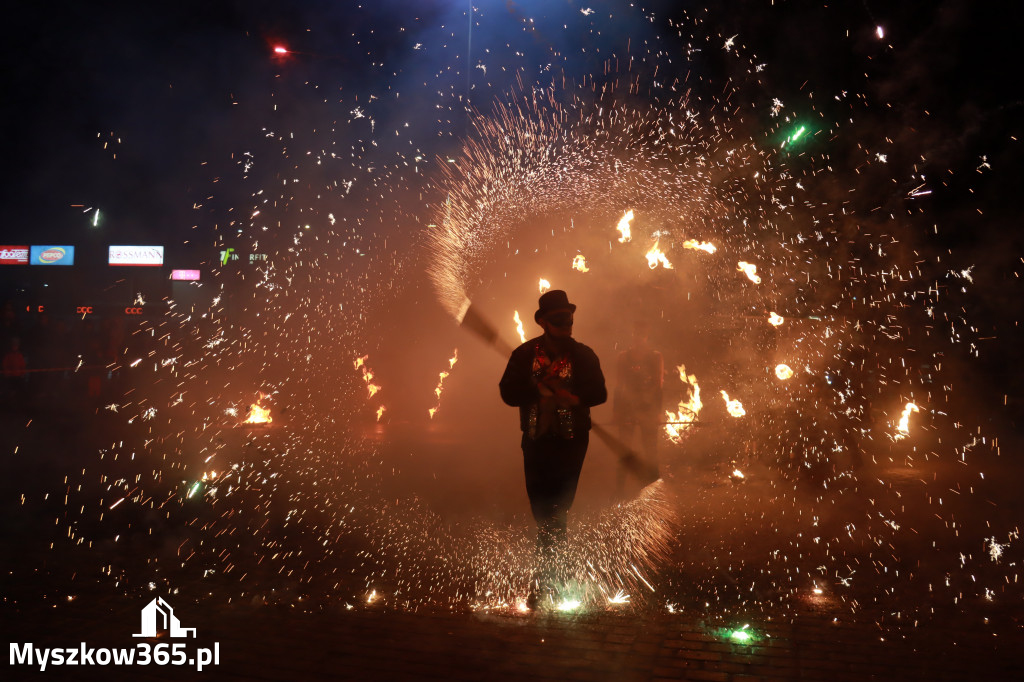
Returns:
<point x="796" y="238"/>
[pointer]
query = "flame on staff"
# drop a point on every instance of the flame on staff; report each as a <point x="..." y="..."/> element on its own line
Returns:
<point x="440" y="382"/>
<point x="360" y="363"/>
<point x="734" y="407"/>
<point x="783" y="372"/>
<point x="258" y="414"/>
<point x="903" y="428"/>
<point x="699" y="246"/>
<point x="623" y="227"/>
<point x="543" y="285"/>
<point x="656" y="257"/>
<point x="688" y="409"/>
<point x="380" y="412"/>
<point x="580" y="263"/>
<point x="750" y="270"/>
<point x="519" y="328"/>
<point x="775" y="319"/>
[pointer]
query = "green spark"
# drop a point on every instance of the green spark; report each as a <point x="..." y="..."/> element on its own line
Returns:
<point x="797" y="134"/>
<point x="195" y="487"/>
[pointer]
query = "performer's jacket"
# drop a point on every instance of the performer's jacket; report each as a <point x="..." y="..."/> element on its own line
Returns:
<point x="578" y="371"/>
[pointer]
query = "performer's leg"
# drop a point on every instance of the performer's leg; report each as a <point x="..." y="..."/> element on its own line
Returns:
<point x="626" y="429"/>
<point x="649" y="442"/>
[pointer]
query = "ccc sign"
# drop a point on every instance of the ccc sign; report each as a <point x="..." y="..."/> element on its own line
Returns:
<point x="84" y="310"/>
<point x="133" y="311"/>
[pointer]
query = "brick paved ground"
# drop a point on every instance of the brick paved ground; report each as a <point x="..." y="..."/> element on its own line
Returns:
<point x="379" y="644"/>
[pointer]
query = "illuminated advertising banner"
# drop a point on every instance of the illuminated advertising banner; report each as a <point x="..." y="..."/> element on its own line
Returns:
<point x="13" y="255"/>
<point x="52" y="255"/>
<point x="185" y="275"/>
<point x="136" y="255"/>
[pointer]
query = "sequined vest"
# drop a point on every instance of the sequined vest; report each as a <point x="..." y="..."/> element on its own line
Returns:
<point x="549" y="419"/>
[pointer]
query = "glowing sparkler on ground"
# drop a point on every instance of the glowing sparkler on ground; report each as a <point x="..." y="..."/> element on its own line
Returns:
<point x="783" y="371"/>
<point x="903" y="428"/>
<point x="543" y="285"/>
<point x="623" y="227"/>
<point x="656" y="257"/>
<point x="735" y="407"/>
<point x="775" y="319"/>
<point x="689" y="409"/>
<point x="699" y="246"/>
<point x="519" y="328"/>
<point x="580" y="263"/>
<point x="750" y="270"/>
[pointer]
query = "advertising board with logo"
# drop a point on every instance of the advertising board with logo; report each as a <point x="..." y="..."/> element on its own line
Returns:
<point x="13" y="255"/>
<point x="136" y="255"/>
<point x="52" y="255"/>
<point x="185" y="275"/>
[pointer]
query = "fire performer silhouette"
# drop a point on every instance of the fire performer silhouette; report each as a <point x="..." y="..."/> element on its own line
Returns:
<point x="554" y="381"/>
<point x="638" y="397"/>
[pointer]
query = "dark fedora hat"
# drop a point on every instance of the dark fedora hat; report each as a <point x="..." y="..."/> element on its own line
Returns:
<point x="556" y="299"/>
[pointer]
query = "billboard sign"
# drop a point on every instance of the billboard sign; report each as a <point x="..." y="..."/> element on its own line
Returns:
<point x="13" y="255"/>
<point x="136" y="255"/>
<point x="52" y="255"/>
<point x="185" y="275"/>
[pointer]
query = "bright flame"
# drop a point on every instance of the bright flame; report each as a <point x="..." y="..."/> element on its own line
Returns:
<point x="580" y="263"/>
<point x="737" y="473"/>
<point x="880" y="32"/>
<point x="380" y="412"/>
<point x="700" y="246"/>
<point x="750" y="270"/>
<point x="783" y="372"/>
<point x="280" y="50"/>
<point x="569" y="604"/>
<point x="519" y="328"/>
<point x="903" y="429"/>
<point x="257" y="414"/>
<point x="543" y="285"/>
<point x="372" y="388"/>
<point x="440" y="382"/>
<point x="735" y="407"/>
<point x="437" y="391"/>
<point x="359" y="362"/>
<point x="655" y="256"/>
<point x="623" y="227"/>
<point x="775" y="319"/>
<point x="688" y="409"/>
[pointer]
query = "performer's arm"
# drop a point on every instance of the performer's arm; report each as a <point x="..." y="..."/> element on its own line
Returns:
<point x="516" y="386"/>
<point x="590" y="386"/>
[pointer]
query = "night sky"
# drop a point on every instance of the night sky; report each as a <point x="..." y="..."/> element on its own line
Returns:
<point x="145" y="110"/>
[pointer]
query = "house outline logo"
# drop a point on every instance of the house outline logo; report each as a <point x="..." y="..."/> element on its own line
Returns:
<point x="159" y="612"/>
